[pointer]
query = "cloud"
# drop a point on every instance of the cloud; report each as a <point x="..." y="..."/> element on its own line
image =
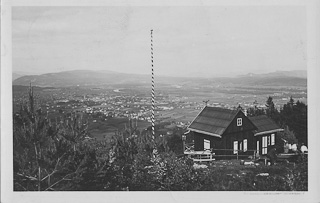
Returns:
<point x="209" y="39"/>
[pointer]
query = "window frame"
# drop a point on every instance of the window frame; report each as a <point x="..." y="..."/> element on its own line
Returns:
<point x="239" y="121"/>
<point x="264" y="146"/>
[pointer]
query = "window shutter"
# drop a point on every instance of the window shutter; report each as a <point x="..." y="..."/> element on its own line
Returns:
<point x="273" y="141"/>
<point x="245" y="145"/>
<point x="235" y="147"/>
<point x="206" y="144"/>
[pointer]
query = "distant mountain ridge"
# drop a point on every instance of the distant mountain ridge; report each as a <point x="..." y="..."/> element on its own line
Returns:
<point x="73" y="78"/>
<point x="16" y="76"/>
<point x="293" y="73"/>
<point x="103" y="77"/>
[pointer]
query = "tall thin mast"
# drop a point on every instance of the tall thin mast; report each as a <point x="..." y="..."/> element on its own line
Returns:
<point x="152" y="87"/>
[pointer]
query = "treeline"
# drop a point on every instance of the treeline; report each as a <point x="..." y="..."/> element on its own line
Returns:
<point x="292" y="116"/>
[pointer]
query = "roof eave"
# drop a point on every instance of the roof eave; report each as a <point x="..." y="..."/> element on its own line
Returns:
<point x="196" y="116"/>
<point x="204" y="132"/>
<point x="268" y="131"/>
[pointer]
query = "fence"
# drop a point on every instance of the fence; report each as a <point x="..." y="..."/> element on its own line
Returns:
<point x="200" y="155"/>
<point x="189" y="149"/>
<point x="237" y="155"/>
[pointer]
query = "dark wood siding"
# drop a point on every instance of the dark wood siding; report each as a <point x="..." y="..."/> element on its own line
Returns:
<point x="239" y="133"/>
<point x="247" y="125"/>
<point x="199" y="140"/>
<point x="240" y="137"/>
<point x="259" y="138"/>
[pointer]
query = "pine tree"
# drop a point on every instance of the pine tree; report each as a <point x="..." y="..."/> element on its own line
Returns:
<point x="271" y="110"/>
<point x="44" y="153"/>
<point x="294" y="115"/>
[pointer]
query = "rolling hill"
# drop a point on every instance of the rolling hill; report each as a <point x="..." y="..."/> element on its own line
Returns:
<point x="90" y="77"/>
<point x="16" y="76"/>
<point x="293" y="73"/>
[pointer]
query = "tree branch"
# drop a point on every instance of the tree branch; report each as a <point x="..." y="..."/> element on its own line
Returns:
<point x="64" y="178"/>
<point x="55" y="168"/>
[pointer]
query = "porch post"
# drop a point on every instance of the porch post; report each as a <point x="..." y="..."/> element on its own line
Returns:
<point x="184" y="137"/>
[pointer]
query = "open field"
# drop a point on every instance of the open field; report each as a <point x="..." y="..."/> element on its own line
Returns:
<point x="183" y="115"/>
<point x="104" y="130"/>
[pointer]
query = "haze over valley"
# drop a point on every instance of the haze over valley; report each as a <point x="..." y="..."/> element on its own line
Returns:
<point x="178" y="99"/>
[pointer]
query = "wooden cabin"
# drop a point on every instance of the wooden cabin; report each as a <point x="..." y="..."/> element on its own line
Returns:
<point x="228" y="132"/>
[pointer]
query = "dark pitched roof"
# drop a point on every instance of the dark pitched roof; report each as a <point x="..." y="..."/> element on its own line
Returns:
<point x="264" y="124"/>
<point x="213" y="120"/>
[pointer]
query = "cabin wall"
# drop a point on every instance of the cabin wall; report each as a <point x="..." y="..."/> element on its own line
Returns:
<point x="247" y="125"/>
<point x="240" y="137"/>
<point x="239" y="133"/>
<point x="264" y="144"/>
<point x="227" y="142"/>
<point x="199" y="141"/>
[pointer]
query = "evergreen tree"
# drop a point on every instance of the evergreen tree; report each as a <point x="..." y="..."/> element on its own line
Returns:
<point x="271" y="110"/>
<point x="255" y="111"/>
<point x="294" y="115"/>
<point x="47" y="155"/>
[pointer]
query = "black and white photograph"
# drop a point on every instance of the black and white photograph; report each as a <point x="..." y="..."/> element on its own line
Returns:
<point x="159" y="98"/>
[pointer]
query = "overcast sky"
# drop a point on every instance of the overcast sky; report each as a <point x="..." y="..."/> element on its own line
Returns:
<point x="188" y="41"/>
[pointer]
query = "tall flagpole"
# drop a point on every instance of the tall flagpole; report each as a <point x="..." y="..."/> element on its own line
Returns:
<point x="152" y="88"/>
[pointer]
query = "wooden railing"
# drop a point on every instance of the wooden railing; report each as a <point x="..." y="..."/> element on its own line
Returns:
<point x="200" y="156"/>
<point x="213" y="153"/>
<point x="188" y="147"/>
<point x="252" y="153"/>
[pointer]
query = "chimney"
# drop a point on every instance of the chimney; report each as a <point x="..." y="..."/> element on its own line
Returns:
<point x="245" y="112"/>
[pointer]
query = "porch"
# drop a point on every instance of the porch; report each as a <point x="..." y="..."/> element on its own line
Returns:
<point x="210" y="154"/>
<point x="198" y="156"/>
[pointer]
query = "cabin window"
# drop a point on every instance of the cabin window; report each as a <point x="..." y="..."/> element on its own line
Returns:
<point x="245" y="145"/>
<point x="240" y="146"/>
<point x="239" y="121"/>
<point x="206" y="144"/>
<point x="264" y="144"/>
<point x="258" y="146"/>
<point x="268" y="140"/>
<point x="273" y="141"/>
<point x="235" y="147"/>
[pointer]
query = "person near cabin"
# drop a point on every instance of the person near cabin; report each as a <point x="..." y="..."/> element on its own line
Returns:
<point x="303" y="151"/>
<point x="272" y="155"/>
<point x="286" y="147"/>
<point x="290" y="147"/>
<point x="294" y="148"/>
<point x="303" y="148"/>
